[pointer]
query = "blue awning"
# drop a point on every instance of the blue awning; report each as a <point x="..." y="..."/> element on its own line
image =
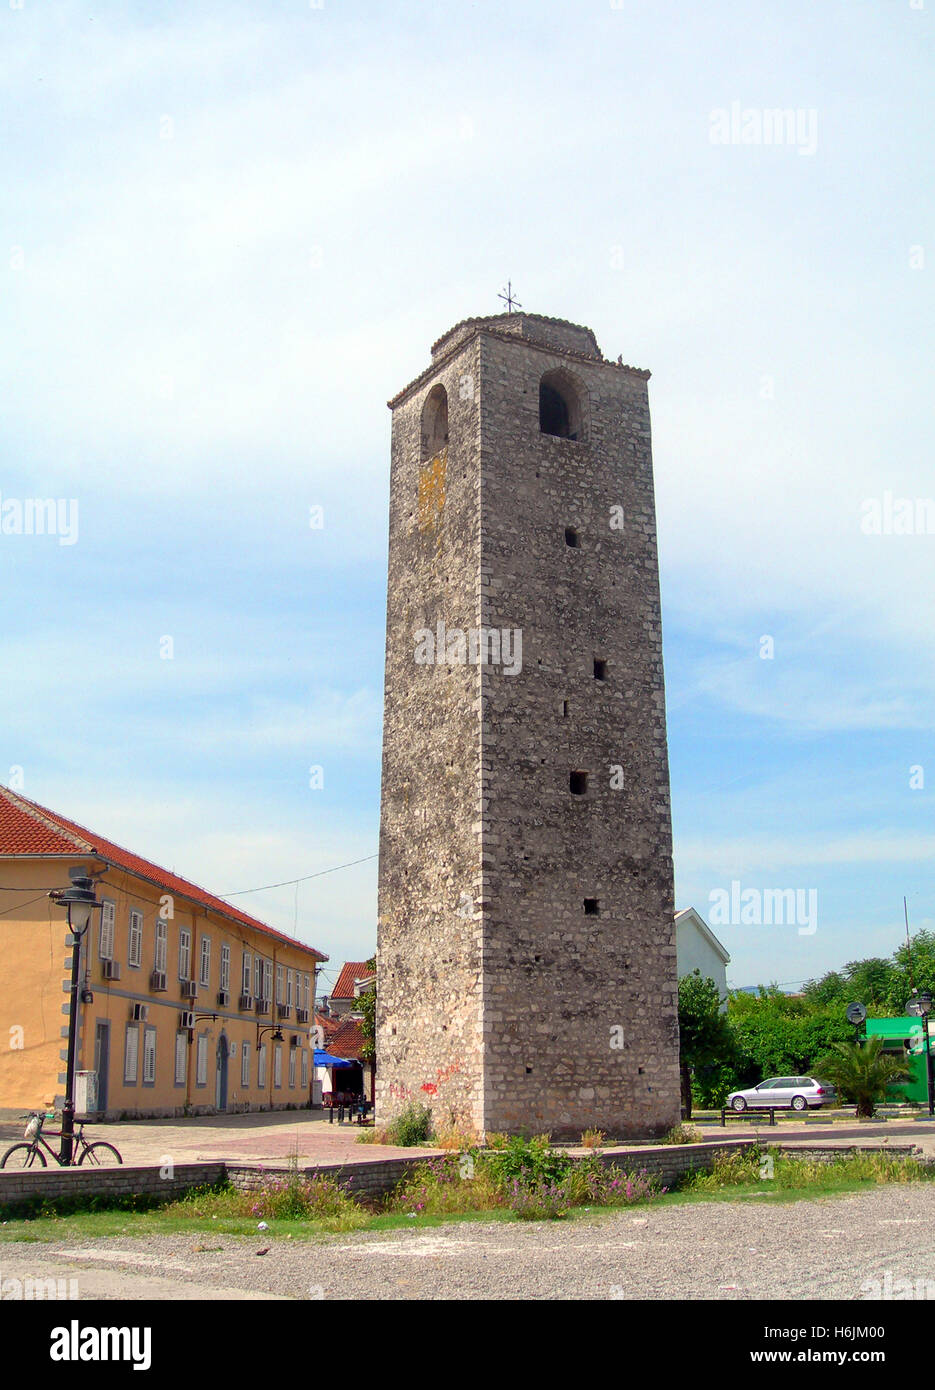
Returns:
<point x="325" y="1059"/>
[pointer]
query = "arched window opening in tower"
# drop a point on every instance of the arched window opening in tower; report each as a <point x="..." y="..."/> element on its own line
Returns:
<point x="561" y="408"/>
<point x="434" y="423"/>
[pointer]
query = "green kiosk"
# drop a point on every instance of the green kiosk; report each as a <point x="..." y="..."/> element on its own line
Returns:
<point x="905" y="1037"/>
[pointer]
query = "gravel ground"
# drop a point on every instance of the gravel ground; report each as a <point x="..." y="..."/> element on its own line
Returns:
<point x="746" y="1249"/>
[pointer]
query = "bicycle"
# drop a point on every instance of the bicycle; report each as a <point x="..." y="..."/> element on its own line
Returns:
<point x="97" y="1153"/>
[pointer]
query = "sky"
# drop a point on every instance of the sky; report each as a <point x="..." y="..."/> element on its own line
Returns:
<point x="229" y="233"/>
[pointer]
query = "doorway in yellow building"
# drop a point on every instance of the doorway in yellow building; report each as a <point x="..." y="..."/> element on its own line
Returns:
<point x="220" y="1090"/>
<point x="102" y="1061"/>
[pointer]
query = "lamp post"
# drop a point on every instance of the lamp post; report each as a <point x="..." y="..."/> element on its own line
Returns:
<point x="920" y="1006"/>
<point x="79" y="900"/>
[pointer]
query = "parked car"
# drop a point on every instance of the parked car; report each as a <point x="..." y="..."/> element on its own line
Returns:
<point x="783" y="1093"/>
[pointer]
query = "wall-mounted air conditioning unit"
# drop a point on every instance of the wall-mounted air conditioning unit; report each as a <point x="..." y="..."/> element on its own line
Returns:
<point x="187" y="1019"/>
<point x="246" y="1002"/>
<point x="157" y="981"/>
<point x="189" y="989"/>
<point x="110" y="969"/>
<point x="139" y="1013"/>
<point x="223" y="998"/>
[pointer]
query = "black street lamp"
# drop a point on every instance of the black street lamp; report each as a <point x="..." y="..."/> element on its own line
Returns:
<point x="80" y="902"/>
<point x="920" y="1006"/>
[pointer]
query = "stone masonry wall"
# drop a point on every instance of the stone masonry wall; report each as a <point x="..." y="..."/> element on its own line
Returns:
<point x="580" y="1010"/>
<point x="428" y="943"/>
<point x="501" y="1002"/>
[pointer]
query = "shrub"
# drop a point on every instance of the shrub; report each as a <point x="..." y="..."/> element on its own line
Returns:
<point x="372" y="1135"/>
<point x="454" y="1136"/>
<point x="538" y="1200"/>
<point x="683" y="1134"/>
<point x="606" y="1185"/>
<point x="593" y="1139"/>
<point x="413" y="1125"/>
<point x="530" y="1161"/>
<point x="450" y="1184"/>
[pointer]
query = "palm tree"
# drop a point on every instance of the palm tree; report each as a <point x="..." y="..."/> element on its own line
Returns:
<point x="862" y="1073"/>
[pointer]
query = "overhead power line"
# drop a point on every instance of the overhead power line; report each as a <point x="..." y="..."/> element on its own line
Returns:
<point x="288" y="882"/>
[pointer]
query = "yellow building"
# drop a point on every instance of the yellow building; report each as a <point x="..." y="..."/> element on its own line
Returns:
<point x="187" y="1005"/>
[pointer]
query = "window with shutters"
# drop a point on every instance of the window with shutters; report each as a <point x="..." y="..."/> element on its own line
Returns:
<point x="261" y="1067"/>
<point x="181" y="1058"/>
<point x="205" y="975"/>
<point x="306" y="993"/>
<point x="160" y="957"/>
<point x="149" y="1056"/>
<point x="305" y="1067"/>
<point x="277" y="1065"/>
<point x="108" y="920"/>
<point x="289" y="987"/>
<point x="185" y="954"/>
<point x="225" y="968"/>
<point x="247" y="972"/>
<point x="201" y="1063"/>
<point x="267" y="979"/>
<point x="257" y="978"/>
<point x="292" y="1052"/>
<point x="280" y="997"/>
<point x="135" y="939"/>
<point x="131" y="1055"/>
<point x="245" y="1065"/>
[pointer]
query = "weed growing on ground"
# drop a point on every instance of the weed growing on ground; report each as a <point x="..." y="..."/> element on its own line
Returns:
<point x="683" y="1134"/>
<point x="593" y="1139"/>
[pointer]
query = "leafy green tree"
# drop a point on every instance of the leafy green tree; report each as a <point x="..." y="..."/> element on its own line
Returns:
<point x="920" y="976"/>
<point x="831" y="989"/>
<point x="862" y="1072"/>
<point x="367" y="1007"/>
<point x="870" y="981"/>
<point x="779" y="1034"/>
<point x="706" y="1043"/>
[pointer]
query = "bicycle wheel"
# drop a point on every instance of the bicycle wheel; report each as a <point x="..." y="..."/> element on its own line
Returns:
<point x="23" y="1156"/>
<point x="100" y="1155"/>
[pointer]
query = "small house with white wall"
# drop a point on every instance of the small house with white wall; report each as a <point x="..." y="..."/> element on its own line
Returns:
<point x="697" y="948"/>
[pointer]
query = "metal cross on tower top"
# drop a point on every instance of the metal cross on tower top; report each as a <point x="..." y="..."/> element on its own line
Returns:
<point x="507" y="297"/>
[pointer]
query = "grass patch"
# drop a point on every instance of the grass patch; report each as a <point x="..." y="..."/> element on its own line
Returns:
<point x="519" y="1179"/>
<point x="738" y="1170"/>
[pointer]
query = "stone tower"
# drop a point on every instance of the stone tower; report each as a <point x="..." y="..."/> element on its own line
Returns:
<point x="526" y="942"/>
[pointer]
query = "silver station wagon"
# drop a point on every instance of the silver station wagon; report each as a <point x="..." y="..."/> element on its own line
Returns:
<point x="783" y="1093"/>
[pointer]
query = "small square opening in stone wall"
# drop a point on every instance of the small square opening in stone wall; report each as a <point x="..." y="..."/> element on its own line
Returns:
<point x="578" y="783"/>
<point x="571" y="537"/>
<point x="592" y="907"/>
<point x="600" y="669"/>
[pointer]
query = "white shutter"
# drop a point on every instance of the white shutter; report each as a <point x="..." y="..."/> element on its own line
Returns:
<point x="132" y="1053"/>
<point x="261" y="1067"/>
<point x="135" y="940"/>
<point x="246" y="972"/>
<point x="225" y="967"/>
<point x="108" y="918"/>
<point x="245" y="1065"/>
<point x="304" y="1067"/>
<point x="201" y="1072"/>
<point x="149" y="1055"/>
<point x="162" y="941"/>
<point x="181" y="1058"/>
<point x="185" y="954"/>
<point x="277" y="1065"/>
<point x="292" y="1052"/>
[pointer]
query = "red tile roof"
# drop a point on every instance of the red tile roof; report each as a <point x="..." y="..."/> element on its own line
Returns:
<point x="351" y="970"/>
<point x="27" y="829"/>
<point x="347" y="1041"/>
